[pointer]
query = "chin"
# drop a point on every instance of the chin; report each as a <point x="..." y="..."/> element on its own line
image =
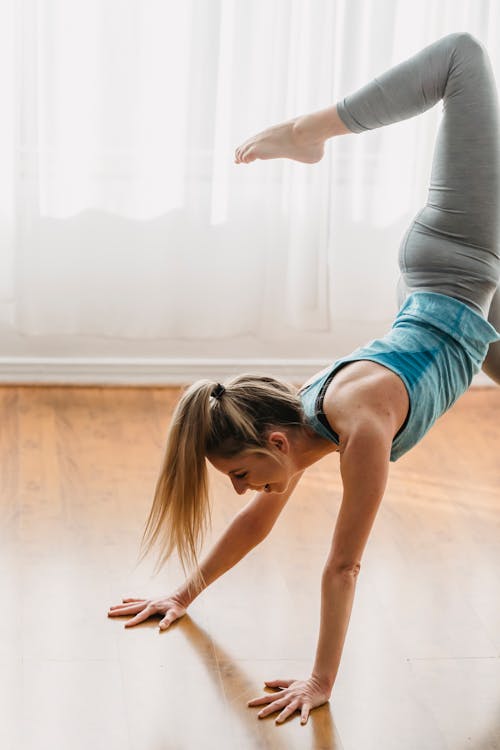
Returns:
<point x="281" y="488"/>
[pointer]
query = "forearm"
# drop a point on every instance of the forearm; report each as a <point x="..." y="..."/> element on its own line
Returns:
<point x="237" y="540"/>
<point x="364" y="467"/>
<point x="337" y="596"/>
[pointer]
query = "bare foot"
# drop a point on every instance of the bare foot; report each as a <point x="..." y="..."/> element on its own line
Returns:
<point x="289" y="140"/>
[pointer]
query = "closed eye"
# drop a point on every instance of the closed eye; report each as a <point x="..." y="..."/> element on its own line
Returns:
<point x="241" y="476"/>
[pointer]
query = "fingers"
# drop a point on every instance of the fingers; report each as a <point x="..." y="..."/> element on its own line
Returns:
<point x="263" y="699"/>
<point x="139" y="607"/>
<point x="169" y="608"/>
<point x="140" y="617"/>
<point x="115" y="606"/>
<point x="258" y="701"/>
<point x="279" y="683"/>
<point x="305" y="713"/>
<point x="287" y="703"/>
<point x="168" y="620"/>
<point x="290" y="709"/>
<point x="126" y="609"/>
<point x="273" y="707"/>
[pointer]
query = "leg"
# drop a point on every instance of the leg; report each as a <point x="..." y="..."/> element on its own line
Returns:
<point x="451" y="247"/>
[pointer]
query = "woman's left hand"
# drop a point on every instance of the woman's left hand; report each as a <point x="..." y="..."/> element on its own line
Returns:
<point x="297" y="694"/>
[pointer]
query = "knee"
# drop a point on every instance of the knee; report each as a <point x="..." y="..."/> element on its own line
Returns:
<point x="467" y="45"/>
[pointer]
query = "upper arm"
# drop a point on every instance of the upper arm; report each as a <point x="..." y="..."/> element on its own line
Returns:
<point x="264" y="508"/>
<point x="364" y="467"/>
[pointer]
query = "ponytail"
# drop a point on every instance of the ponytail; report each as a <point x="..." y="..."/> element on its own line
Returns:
<point x="235" y="421"/>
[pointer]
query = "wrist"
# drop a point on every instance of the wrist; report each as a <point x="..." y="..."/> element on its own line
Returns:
<point x="189" y="590"/>
<point x="324" y="682"/>
<point x="184" y="597"/>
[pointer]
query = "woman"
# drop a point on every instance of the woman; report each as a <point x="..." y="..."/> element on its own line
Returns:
<point x="374" y="404"/>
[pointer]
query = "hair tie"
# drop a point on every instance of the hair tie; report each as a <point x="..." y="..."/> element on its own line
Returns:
<point x="218" y="391"/>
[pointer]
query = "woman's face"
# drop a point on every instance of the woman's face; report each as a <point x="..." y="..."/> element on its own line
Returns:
<point x="254" y="471"/>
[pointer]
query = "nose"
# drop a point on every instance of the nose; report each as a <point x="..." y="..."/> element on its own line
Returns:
<point x="239" y="486"/>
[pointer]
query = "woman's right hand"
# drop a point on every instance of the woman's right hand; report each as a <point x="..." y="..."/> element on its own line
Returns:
<point x="171" y="606"/>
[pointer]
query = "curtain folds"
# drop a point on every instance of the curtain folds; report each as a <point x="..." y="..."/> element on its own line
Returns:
<point x="122" y="213"/>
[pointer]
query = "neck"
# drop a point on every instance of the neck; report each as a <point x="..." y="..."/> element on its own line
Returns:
<point x="309" y="447"/>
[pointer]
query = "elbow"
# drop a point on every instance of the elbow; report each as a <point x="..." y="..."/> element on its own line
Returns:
<point x="348" y="570"/>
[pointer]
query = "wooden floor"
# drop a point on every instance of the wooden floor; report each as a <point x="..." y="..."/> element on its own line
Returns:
<point x="421" y="665"/>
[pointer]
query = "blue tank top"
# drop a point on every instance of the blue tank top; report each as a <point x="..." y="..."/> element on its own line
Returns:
<point x="436" y="345"/>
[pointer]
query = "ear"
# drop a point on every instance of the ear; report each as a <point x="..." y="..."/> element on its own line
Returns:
<point x="279" y="440"/>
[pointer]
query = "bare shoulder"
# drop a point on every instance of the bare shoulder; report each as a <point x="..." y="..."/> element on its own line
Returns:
<point x="365" y="392"/>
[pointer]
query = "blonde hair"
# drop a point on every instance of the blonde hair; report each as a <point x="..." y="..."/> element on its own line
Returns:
<point x="201" y="425"/>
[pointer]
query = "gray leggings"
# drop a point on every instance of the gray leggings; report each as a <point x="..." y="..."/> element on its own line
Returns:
<point x="451" y="246"/>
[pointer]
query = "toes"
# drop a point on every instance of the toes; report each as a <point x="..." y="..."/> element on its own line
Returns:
<point x="238" y="154"/>
<point x="249" y="154"/>
<point x="245" y="153"/>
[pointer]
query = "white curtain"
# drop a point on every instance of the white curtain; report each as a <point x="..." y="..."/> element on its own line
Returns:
<point x="122" y="213"/>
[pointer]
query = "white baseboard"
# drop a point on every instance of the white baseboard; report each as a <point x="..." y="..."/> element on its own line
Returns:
<point x="145" y="372"/>
<point x="157" y="372"/>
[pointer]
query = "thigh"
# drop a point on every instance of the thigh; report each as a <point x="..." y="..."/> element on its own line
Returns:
<point x="430" y="262"/>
